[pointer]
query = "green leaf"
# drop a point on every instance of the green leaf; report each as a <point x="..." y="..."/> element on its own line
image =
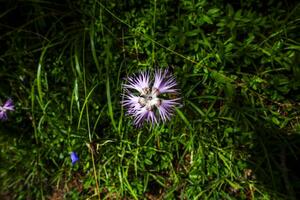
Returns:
<point x="207" y="19"/>
<point x="221" y="78"/>
<point x="182" y="116"/>
<point x="194" y="32"/>
<point x="275" y="121"/>
<point x="229" y="90"/>
<point x="213" y="11"/>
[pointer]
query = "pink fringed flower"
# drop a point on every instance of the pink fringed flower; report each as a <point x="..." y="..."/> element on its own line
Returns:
<point x="8" y="106"/>
<point x="147" y="100"/>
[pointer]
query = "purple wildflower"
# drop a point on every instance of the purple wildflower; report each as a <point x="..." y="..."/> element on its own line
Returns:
<point x="8" y="105"/>
<point x="74" y="157"/>
<point x="147" y="100"/>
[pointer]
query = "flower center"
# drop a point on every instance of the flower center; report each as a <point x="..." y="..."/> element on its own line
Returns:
<point x="149" y="99"/>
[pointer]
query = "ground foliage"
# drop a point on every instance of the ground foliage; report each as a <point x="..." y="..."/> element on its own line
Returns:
<point x="236" y="135"/>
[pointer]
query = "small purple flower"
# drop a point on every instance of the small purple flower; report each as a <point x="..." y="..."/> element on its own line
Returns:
<point x="8" y="105"/>
<point x="74" y="157"/>
<point x="147" y="100"/>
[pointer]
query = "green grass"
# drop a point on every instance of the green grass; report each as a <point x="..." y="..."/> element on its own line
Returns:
<point x="235" y="136"/>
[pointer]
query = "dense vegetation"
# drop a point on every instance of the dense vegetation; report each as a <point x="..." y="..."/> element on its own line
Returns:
<point x="235" y="135"/>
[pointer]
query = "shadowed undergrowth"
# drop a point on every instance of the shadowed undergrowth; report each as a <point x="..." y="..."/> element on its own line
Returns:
<point x="236" y="135"/>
